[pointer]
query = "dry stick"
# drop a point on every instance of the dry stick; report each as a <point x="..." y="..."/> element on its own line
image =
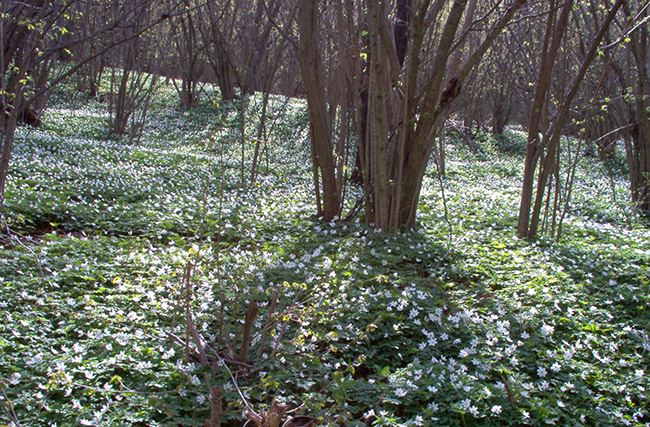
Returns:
<point x="289" y="422"/>
<point x="284" y="326"/>
<point x="271" y="324"/>
<point x="215" y="394"/>
<point x="197" y="340"/>
<point x="251" y="315"/>
<point x="234" y="382"/>
<point x="200" y="353"/>
<point x="444" y="204"/>
<point x="130" y="391"/>
<point x="548" y="201"/>
<point x="196" y="355"/>
<point x="558" y="188"/>
<point x="569" y="188"/>
<point x="188" y="270"/>
<point x="265" y="333"/>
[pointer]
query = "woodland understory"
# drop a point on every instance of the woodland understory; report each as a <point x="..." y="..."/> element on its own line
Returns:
<point x="142" y="284"/>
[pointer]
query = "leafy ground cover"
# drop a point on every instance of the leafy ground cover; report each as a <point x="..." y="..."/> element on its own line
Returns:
<point x="120" y="256"/>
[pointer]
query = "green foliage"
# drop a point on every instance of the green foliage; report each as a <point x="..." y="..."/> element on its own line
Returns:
<point x="408" y="329"/>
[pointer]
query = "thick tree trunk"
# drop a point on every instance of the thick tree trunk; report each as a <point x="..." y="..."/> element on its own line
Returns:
<point x="223" y="73"/>
<point x="122" y="113"/>
<point x="399" y="147"/>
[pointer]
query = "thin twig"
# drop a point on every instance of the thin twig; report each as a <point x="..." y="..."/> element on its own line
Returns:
<point x="13" y="237"/>
<point x="9" y="409"/>
<point x="234" y="382"/>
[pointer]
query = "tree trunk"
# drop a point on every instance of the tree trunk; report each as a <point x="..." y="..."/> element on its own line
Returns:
<point x="555" y="31"/>
<point x="640" y="131"/>
<point x="399" y="120"/>
<point x="223" y="73"/>
<point x="319" y="125"/>
<point x="552" y="137"/>
<point x="9" y="127"/>
<point x="185" y="41"/>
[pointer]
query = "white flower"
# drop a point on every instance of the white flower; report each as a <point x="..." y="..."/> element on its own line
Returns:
<point x="15" y="378"/>
<point x="547" y="330"/>
<point x="566" y="386"/>
<point x="400" y="392"/>
<point x="496" y="409"/>
<point x="556" y="367"/>
<point x="168" y="354"/>
<point x="639" y="373"/>
<point x="541" y="372"/>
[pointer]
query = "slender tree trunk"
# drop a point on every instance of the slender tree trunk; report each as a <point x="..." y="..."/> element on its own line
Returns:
<point x="555" y="31"/>
<point x="319" y="125"/>
<point x="553" y="135"/>
<point x="261" y="132"/>
<point x="9" y="128"/>
<point x="640" y="132"/>
<point x="242" y="134"/>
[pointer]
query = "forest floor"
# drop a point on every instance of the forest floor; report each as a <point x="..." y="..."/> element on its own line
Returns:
<point x="118" y="256"/>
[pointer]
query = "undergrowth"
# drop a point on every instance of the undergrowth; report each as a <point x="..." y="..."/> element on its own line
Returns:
<point x="131" y="270"/>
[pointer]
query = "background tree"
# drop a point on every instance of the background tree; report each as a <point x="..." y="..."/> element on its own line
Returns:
<point x="217" y="26"/>
<point x="187" y="59"/>
<point x="89" y="21"/>
<point x="35" y="35"/>
<point x="135" y="65"/>
<point x="29" y="30"/>
<point x="501" y="77"/>
<point x="634" y="80"/>
<point x="546" y="147"/>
